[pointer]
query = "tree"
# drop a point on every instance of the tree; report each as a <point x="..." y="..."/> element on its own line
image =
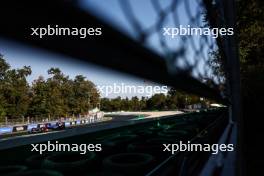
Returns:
<point x="85" y="93"/>
<point x="39" y="98"/>
<point x="125" y="104"/>
<point x="135" y="104"/>
<point x="2" y="108"/>
<point x="105" y="104"/>
<point x="250" y="27"/>
<point x="16" y="92"/>
<point x="143" y="103"/>
<point x="58" y="96"/>
<point x="4" y="66"/>
<point x="157" y="102"/>
<point x="171" y="101"/>
<point x="55" y="99"/>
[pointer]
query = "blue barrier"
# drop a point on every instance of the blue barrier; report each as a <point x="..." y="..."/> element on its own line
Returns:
<point x="4" y="130"/>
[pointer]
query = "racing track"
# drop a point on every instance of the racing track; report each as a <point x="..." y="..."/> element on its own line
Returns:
<point x="116" y="120"/>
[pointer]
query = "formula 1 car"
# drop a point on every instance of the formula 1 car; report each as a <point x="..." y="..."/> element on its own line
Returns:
<point x="56" y="126"/>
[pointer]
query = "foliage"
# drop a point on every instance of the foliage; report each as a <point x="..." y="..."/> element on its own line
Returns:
<point x="250" y="29"/>
<point x="58" y="96"/>
<point x="172" y="101"/>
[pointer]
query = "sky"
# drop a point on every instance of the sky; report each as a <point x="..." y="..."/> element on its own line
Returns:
<point x="18" y="55"/>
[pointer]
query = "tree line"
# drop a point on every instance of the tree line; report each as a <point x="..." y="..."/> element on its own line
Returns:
<point x="57" y="96"/>
<point x="60" y="96"/>
<point x="172" y="101"/>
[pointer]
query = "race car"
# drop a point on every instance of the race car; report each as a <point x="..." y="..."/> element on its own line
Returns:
<point x="56" y="126"/>
<point x="40" y="128"/>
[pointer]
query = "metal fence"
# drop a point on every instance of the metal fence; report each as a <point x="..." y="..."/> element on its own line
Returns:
<point x="202" y="64"/>
<point x="198" y="64"/>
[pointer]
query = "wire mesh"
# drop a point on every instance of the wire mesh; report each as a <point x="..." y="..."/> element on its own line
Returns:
<point x="145" y="23"/>
<point x="133" y="39"/>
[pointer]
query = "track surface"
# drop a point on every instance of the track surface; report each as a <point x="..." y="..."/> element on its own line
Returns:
<point x="114" y="118"/>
